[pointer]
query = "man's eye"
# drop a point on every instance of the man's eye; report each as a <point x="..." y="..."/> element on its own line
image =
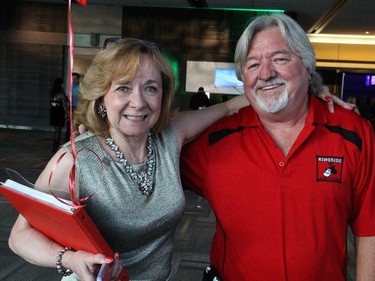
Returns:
<point x="280" y="61"/>
<point x="252" y="66"/>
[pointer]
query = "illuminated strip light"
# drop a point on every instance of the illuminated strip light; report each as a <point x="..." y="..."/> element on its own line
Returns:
<point x="338" y="64"/>
<point x="4" y="126"/>
<point x="342" y="39"/>
<point x="249" y="10"/>
<point x="216" y="8"/>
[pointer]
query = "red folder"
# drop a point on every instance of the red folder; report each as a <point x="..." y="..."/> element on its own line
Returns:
<point x="67" y="226"/>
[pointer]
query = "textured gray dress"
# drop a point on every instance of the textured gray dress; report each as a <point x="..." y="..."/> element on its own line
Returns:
<point x="140" y="228"/>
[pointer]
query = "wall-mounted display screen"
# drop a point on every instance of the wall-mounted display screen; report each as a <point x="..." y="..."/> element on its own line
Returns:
<point x="227" y="78"/>
<point x="214" y="77"/>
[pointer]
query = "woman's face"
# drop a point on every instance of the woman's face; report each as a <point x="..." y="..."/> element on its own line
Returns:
<point x="133" y="107"/>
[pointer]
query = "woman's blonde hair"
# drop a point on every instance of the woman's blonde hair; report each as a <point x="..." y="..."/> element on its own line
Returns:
<point x="117" y="60"/>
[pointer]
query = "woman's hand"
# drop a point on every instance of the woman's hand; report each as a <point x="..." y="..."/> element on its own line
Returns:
<point x="112" y="272"/>
<point x="332" y="99"/>
<point x="81" y="130"/>
<point x="86" y="265"/>
<point x="116" y="267"/>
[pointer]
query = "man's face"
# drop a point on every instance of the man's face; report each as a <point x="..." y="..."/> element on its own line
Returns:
<point x="274" y="77"/>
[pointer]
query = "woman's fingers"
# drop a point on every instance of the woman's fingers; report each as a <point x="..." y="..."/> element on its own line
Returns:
<point x="332" y="100"/>
<point x="116" y="267"/>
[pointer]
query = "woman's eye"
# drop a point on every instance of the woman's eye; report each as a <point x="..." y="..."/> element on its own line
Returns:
<point x="124" y="89"/>
<point x="151" y="89"/>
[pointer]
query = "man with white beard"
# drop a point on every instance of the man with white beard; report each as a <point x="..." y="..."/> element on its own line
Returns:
<point x="280" y="215"/>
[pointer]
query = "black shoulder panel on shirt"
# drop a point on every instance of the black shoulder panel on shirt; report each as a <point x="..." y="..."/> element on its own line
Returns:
<point x="214" y="137"/>
<point x="346" y="134"/>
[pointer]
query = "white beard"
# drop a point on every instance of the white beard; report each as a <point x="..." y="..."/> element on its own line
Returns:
<point x="272" y="103"/>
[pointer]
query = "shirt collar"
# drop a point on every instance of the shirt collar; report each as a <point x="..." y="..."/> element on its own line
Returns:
<point x="317" y="111"/>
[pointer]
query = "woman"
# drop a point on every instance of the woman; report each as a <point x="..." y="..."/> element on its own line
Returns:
<point x="125" y="102"/>
<point x="59" y="111"/>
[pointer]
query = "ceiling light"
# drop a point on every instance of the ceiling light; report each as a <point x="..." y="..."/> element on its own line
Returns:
<point x="342" y="39"/>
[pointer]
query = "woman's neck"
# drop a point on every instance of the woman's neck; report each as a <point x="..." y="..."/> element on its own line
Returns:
<point x="133" y="148"/>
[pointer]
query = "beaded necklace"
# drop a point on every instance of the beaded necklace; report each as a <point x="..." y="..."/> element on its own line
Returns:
<point x="144" y="179"/>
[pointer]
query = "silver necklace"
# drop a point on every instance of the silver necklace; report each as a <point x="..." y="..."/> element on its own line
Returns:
<point x="144" y="179"/>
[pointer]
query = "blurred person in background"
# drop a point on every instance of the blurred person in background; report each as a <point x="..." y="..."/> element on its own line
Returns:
<point x="59" y="111"/>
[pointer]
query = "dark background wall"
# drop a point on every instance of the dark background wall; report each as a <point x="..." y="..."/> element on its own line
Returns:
<point x="187" y="34"/>
<point x="33" y="48"/>
<point x="32" y="37"/>
<point x="33" y="40"/>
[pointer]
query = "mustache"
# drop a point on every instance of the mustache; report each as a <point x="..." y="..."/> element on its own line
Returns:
<point x="271" y="82"/>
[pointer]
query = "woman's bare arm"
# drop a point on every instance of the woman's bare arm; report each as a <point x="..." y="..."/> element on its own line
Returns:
<point x="190" y="124"/>
<point x="38" y="249"/>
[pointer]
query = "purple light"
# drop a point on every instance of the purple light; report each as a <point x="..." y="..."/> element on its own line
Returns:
<point x="367" y="80"/>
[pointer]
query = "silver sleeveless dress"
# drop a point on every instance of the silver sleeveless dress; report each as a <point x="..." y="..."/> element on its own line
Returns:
<point x="138" y="227"/>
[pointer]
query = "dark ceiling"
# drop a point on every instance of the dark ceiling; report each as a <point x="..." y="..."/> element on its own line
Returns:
<point x="340" y="16"/>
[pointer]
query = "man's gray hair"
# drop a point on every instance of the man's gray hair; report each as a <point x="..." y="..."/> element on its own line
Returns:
<point x="295" y="38"/>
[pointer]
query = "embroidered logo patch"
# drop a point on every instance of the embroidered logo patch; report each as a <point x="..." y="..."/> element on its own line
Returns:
<point x="329" y="168"/>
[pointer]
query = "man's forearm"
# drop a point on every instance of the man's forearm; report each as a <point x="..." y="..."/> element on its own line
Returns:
<point x="365" y="258"/>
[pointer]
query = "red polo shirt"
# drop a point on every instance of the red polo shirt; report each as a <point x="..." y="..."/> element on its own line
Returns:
<point x="285" y="218"/>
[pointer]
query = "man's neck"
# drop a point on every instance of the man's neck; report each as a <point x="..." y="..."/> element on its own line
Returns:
<point x="284" y="128"/>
